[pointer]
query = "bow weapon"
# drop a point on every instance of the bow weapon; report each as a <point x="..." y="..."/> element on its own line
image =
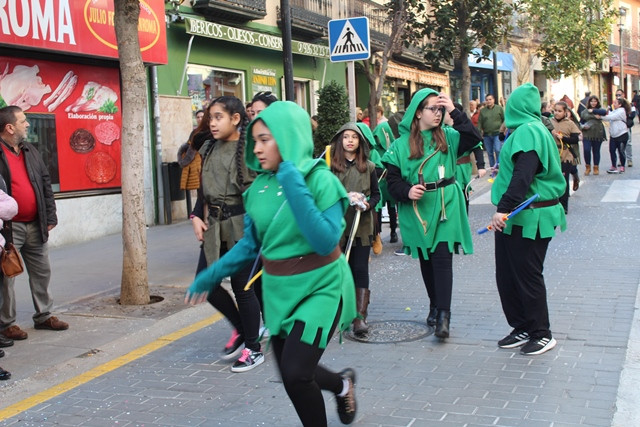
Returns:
<point x="421" y="182"/>
<point x="514" y="212"/>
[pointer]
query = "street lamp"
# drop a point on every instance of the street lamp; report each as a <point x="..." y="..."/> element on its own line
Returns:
<point x="623" y="13"/>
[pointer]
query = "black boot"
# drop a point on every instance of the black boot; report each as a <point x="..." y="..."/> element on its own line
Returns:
<point x="393" y="237"/>
<point x="442" y="326"/>
<point x="433" y="315"/>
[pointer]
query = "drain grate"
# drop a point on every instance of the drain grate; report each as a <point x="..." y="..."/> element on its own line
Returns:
<point x="392" y="331"/>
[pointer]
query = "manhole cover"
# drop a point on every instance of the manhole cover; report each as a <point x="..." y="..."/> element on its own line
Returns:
<point x="390" y="331"/>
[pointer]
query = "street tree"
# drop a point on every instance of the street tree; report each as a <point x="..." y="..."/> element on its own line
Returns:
<point x="449" y="30"/>
<point x="399" y="17"/>
<point x="134" y="288"/>
<point x="574" y="34"/>
<point x="333" y="112"/>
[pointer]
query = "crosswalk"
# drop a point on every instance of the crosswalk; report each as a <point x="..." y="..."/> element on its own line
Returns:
<point x="620" y="191"/>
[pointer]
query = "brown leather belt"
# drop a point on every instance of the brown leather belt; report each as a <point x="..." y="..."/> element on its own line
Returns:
<point x="464" y="159"/>
<point x="544" y="204"/>
<point x="300" y="264"/>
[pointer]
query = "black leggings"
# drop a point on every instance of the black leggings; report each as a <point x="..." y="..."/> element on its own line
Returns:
<point x="359" y="264"/>
<point x="437" y="274"/>
<point x="302" y="376"/>
<point x="245" y="317"/>
<point x="618" y="144"/>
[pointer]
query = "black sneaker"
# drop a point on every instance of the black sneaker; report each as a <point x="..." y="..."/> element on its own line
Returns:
<point x="347" y="403"/>
<point x="537" y="346"/>
<point x="514" y="339"/>
<point x="393" y="237"/>
<point x="233" y="347"/>
<point x="249" y="360"/>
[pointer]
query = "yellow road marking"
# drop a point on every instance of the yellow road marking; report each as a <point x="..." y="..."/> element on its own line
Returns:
<point x="74" y="382"/>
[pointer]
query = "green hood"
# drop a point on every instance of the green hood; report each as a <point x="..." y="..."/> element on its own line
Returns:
<point x="523" y="106"/>
<point x="290" y="126"/>
<point x="362" y="134"/>
<point x="405" y="124"/>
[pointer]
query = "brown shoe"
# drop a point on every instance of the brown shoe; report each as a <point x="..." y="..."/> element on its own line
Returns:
<point x="14" y="332"/>
<point x="53" y="324"/>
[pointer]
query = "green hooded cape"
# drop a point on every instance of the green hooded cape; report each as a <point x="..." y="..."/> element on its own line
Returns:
<point x="454" y="230"/>
<point x="312" y="297"/>
<point x="522" y="114"/>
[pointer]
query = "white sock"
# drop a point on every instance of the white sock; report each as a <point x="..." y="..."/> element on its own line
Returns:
<point x="345" y="388"/>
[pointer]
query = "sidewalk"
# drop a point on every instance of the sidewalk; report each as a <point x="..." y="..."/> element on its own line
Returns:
<point x="406" y="377"/>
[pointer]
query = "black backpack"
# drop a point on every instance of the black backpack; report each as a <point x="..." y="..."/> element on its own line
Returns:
<point x="630" y="118"/>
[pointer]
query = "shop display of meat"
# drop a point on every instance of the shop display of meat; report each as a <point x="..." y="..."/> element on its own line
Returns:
<point x="94" y="96"/>
<point x="82" y="141"/>
<point x="62" y="92"/>
<point x="22" y="87"/>
<point x="107" y="132"/>
<point x="100" y="167"/>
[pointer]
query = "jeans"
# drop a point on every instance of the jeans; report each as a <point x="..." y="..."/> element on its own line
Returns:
<point x="492" y="143"/>
<point x="589" y="147"/>
<point x="617" y="144"/>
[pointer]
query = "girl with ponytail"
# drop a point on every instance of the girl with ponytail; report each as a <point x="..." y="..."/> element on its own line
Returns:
<point x="218" y="222"/>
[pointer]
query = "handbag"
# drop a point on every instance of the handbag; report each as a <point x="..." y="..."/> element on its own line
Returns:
<point x="11" y="262"/>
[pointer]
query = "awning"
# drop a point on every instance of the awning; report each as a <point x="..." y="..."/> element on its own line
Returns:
<point x="430" y="78"/>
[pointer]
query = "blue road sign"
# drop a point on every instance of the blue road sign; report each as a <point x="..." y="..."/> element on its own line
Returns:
<point x="349" y="39"/>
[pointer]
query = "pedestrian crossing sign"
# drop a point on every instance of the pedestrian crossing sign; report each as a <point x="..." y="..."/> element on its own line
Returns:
<point x="349" y="39"/>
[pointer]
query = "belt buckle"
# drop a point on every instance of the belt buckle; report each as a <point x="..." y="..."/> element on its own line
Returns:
<point x="431" y="186"/>
<point x="217" y="212"/>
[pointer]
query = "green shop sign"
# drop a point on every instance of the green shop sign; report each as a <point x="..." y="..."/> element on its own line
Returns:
<point x="237" y="35"/>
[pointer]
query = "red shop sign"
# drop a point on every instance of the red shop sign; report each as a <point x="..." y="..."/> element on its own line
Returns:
<point x="84" y="27"/>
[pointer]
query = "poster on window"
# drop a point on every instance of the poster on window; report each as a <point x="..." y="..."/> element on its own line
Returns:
<point x="82" y="104"/>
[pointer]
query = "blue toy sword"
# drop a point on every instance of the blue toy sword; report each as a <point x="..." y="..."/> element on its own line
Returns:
<point x="513" y="212"/>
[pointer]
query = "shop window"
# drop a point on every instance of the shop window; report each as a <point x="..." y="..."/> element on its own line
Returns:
<point x="304" y="93"/>
<point x="42" y="134"/>
<point x="206" y="83"/>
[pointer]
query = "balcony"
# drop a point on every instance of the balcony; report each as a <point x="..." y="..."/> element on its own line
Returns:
<point x="309" y="18"/>
<point x="379" y="23"/>
<point x="231" y="10"/>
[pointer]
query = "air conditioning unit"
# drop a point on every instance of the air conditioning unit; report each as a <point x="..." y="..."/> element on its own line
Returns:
<point x="604" y="65"/>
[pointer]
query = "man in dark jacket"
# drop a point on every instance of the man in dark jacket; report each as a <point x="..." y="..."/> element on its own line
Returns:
<point x="28" y="182"/>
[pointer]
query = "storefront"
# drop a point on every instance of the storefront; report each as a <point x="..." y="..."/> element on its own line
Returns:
<point x="482" y="78"/>
<point x="209" y="59"/>
<point x="59" y="64"/>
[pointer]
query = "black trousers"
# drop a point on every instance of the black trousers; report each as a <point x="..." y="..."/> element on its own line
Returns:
<point x="519" y="265"/>
<point x="437" y="275"/>
<point x="245" y="317"/>
<point x="302" y="375"/>
<point x="359" y="264"/>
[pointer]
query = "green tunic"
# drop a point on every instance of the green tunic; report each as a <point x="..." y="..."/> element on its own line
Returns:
<point x="529" y="134"/>
<point x="312" y="297"/>
<point x="454" y="230"/>
<point x="219" y="186"/>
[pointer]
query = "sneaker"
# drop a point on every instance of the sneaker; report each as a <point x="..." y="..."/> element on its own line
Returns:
<point x="621" y="169"/>
<point x="233" y="347"/>
<point x="393" y="237"/>
<point x="629" y="164"/>
<point x="514" y="339"/>
<point x="249" y="360"/>
<point x="613" y="170"/>
<point x="538" y="346"/>
<point x="399" y="252"/>
<point x="347" y="403"/>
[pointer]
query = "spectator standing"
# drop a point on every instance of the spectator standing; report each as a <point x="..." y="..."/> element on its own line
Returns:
<point x="29" y="183"/>
<point x="584" y="103"/>
<point x="529" y="165"/>
<point x="474" y="112"/>
<point x="489" y="122"/>
<point x="593" y="134"/>
<point x="618" y="132"/>
<point x="567" y="135"/>
<point x="8" y="209"/>
<point x="260" y="101"/>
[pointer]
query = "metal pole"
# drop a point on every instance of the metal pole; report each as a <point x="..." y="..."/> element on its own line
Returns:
<point x="621" y="61"/>
<point x="156" y="124"/>
<point x="351" y="82"/>
<point x="287" y="54"/>
<point x="184" y="70"/>
<point x="495" y="76"/>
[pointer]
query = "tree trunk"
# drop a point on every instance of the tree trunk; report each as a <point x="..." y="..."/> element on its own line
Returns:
<point x="466" y="81"/>
<point x="134" y="288"/>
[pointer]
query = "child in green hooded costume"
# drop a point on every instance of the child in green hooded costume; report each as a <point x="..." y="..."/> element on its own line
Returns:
<point x="421" y="166"/>
<point x="294" y="221"/>
<point x="350" y="163"/>
<point x="529" y="165"/>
